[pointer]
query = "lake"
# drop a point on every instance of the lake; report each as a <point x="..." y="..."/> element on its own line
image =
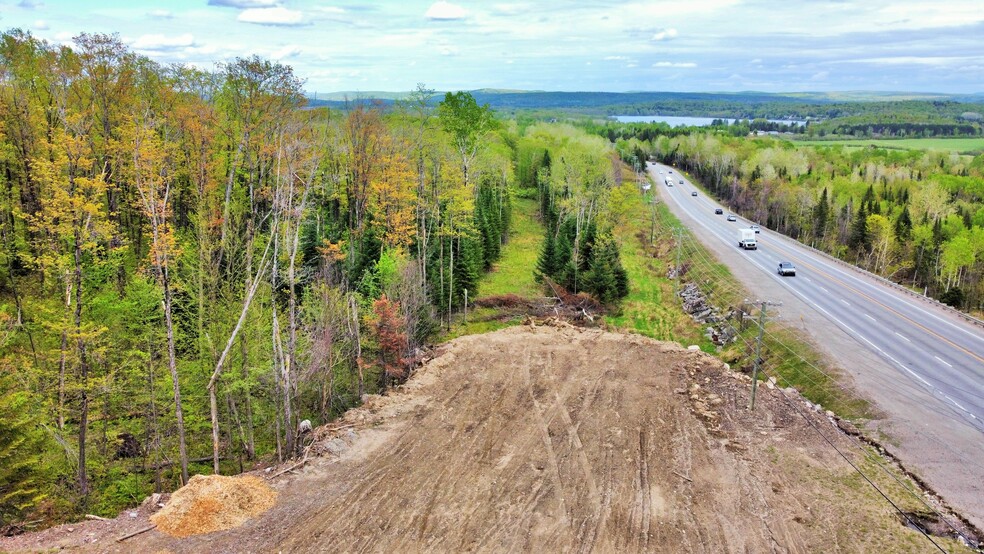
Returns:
<point x="681" y="121"/>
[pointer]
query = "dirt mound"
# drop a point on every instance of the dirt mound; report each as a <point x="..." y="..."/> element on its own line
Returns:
<point x="213" y="503"/>
<point x="558" y="439"/>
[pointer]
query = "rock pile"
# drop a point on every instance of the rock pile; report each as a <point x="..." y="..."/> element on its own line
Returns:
<point x="696" y="304"/>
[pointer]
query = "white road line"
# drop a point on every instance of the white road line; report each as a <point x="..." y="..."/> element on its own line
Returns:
<point x="942" y="361"/>
<point x="700" y="221"/>
<point x="845" y="301"/>
<point x="902" y="336"/>
<point x="824" y="290"/>
<point x="871" y="318"/>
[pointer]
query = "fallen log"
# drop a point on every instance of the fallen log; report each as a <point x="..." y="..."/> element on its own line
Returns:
<point x="137" y="532"/>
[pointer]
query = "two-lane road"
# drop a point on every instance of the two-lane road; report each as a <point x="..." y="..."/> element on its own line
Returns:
<point x="922" y="365"/>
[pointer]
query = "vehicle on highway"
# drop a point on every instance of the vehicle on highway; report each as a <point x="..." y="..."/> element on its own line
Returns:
<point x="746" y="239"/>
<point x="718" y="211"/>
<point x="669" y="182"/>
<point x="660" y="171"/>
<point x="681" y="181"/>
<point x="669" y="170"/>
<point x="755" y="228"/>
<point x="787" y="269"/>
<point x="694" y="193"/>
<point x="732" y="217"/>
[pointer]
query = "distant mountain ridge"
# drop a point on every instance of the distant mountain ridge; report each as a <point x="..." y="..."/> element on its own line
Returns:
<point x="742" y="104"/>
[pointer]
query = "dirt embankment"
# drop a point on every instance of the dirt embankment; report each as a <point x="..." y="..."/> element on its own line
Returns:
<point x="560" y="439"/>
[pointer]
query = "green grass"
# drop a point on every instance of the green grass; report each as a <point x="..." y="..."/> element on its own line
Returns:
<point x="965" y="144"/>
<point x="513" y="273"/>
<point x="651" y="308"/>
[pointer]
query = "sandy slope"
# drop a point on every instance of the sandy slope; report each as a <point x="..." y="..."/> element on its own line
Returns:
<point x="557" y="439"/>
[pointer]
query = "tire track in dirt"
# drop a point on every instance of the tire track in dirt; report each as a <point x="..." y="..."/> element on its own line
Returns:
<point x="562" y="440"/>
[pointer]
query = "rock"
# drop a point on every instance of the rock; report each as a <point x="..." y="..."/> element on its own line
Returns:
<point x="693" y="347"/>
<point x="336" y="446"/>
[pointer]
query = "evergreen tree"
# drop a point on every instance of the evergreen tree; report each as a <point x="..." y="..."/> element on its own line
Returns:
<point x="467" y="266"/>
<point x="903" y="225"/>
<point x="607" y="280"/>
<point x="546" y="262"/>
<point x="860" y="238"/>
<point x="821" y="215"/>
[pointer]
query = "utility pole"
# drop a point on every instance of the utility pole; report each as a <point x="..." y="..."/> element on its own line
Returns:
<point x="679" y="246"/>
<point x="758" y="348"/>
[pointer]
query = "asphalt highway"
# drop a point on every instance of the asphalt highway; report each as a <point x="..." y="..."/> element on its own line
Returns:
<point x="932" y="360"/>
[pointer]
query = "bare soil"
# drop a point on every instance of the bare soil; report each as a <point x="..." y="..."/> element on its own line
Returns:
<point x="556" y="439"/>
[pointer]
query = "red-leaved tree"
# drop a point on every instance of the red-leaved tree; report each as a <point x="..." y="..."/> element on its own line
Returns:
<point x="392" y="340"/>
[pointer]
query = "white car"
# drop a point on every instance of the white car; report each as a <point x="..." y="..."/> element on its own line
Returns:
<point x="732" y="217"/>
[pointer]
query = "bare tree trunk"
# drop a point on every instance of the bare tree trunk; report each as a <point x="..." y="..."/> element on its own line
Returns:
<point x="83" y="368"/>
<point x="250" y="441"/>
<point x="172" y="365"/>
<point x="354" y="331"/>
<point x="213" y="381"/>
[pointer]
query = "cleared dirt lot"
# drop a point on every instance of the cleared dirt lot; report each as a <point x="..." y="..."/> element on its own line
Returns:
<point x="559" y="439"/>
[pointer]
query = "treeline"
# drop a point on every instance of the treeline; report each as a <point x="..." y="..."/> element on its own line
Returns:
<point x="914" y="217"/>
<point x="582" y="195"/>
<point x="866" y="128"/>
<point x="647" y="132"/>
<point x="192" y="263"/>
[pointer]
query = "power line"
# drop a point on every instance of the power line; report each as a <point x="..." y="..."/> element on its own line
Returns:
<point x="699" y="253"/>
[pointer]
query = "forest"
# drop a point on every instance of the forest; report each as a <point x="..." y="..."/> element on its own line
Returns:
<point x="914" y="217"/>
<point x="195" y="262"/>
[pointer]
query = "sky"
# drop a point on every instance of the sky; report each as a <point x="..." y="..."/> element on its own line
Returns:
<point x="558" y="45"/>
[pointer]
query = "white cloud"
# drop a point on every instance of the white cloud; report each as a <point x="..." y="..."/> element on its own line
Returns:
<point x="243" y="4"/>
<point x="272" y="16"/>
<point x="665" y="34"/>
<point x="616" y="58"/>
<point x="820" y="76"/>
<point x="330" y="9"/>
<point x="160" y="14"/>
<point x="913" y="60"/>
<point x="674" y="64"/>
<point x="449" y="50"/>
<point x="162" y="42"/>
<point x="445" y="11"/>
<point x="41" y="25"/>
<point x="508" y="9"/>
<point x="288" y="51"/>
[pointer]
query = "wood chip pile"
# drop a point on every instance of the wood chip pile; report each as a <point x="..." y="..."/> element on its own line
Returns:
<point x="213" y="503"/>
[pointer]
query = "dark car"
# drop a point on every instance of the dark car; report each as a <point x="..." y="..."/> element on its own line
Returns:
<point x="787" y="268"/>
<point x="694" y="193"/>
<point x="718" y="211"/>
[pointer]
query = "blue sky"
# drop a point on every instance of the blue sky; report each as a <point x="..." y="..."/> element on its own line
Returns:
<point x="657" y="45"/>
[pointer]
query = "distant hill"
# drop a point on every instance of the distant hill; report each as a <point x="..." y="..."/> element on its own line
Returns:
<point x="741" y="105"/>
